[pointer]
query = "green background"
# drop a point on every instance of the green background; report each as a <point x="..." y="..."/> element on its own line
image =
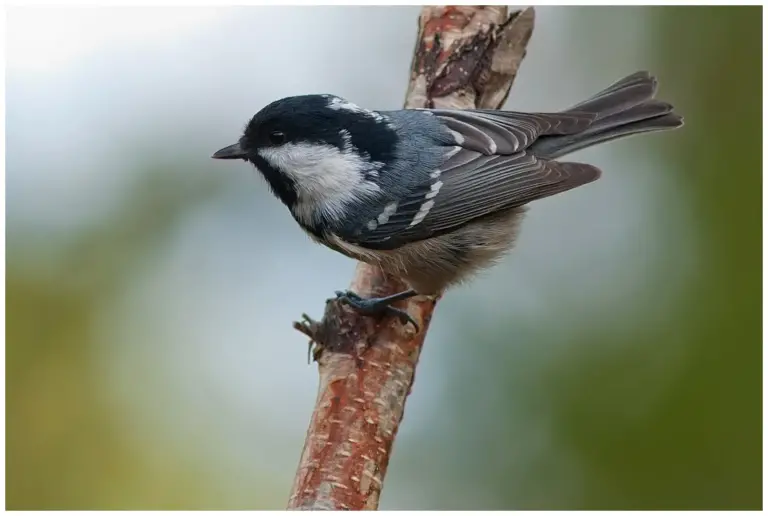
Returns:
<point x="647" y="400"/>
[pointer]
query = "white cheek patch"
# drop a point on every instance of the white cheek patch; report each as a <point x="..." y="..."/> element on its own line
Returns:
<point x="326" y="178"/>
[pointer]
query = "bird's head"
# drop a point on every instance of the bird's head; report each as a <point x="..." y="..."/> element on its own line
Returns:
<point x="317" y="152"/>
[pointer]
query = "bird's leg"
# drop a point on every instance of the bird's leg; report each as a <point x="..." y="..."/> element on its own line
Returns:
<point x="379" y="305"/>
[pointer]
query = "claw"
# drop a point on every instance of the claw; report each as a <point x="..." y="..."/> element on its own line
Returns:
<point x="404" y="317"/>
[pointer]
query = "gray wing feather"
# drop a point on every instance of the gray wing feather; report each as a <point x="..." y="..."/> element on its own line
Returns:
<point x="507" y="132"/>
<point x="473" y="185"/>
<point x="489" y="170"/>
<point x="504" y="159"/>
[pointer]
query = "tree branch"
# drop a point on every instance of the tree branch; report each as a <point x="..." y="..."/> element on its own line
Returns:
<point x="465" y="57"/>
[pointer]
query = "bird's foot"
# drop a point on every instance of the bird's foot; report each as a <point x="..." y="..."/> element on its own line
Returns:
<point x="379" y="305"/>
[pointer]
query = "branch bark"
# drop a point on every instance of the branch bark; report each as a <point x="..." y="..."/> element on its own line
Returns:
<point x="465" y="57"/>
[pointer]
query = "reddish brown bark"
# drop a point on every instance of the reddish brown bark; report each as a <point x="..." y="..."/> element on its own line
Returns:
<point x="465" y="57"/>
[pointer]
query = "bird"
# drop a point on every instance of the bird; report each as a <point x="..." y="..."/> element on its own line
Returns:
<point x="431" y="196"/>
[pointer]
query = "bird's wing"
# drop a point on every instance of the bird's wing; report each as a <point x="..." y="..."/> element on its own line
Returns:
<point x="507" y="132"/>
<point x="489" y="170"/>
<point x="493" y="166"/>
<point x="469" y="185"/>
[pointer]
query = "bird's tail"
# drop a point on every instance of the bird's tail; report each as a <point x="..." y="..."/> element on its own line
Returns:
<point x="625" y="108"/>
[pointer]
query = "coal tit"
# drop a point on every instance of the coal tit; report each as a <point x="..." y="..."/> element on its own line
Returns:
<point x="431" y="195"/>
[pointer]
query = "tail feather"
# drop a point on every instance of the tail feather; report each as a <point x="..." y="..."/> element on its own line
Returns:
<point x="625" y="108"/>
<point x="619" y="96"/>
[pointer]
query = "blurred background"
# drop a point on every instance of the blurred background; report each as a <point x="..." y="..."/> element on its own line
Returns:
<point x="612" y="361"/>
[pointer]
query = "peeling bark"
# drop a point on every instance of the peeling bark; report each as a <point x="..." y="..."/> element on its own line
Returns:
<point x="465" y="57"/>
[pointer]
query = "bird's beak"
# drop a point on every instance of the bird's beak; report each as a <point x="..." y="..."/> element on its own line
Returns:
<point x="231" y="152"/>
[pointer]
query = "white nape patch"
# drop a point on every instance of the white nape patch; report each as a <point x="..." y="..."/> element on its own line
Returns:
<point x="339" y="103"/>
<point x="389" y="210"/>
<point x="326" y="178"/>
<point x="457" y="136"/>
<point x="423" y="211"/>
<point x="434" y="189"/>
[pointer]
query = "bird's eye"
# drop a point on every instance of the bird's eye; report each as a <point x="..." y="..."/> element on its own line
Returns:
<point x="276" y="137"/>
